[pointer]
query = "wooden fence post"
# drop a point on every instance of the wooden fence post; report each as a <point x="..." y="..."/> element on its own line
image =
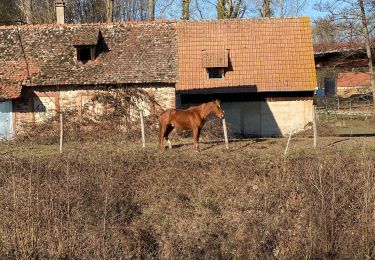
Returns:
<point x="290" y="137"/>
<point x="143" y="131"/>
<point x="326" y="109"/>
<point x="314" y="128"/>
<point x="225" y="134"/>
<point x="61" y="132"/>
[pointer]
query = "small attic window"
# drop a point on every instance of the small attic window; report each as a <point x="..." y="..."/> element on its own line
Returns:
<point x="85" y="53"/>
<point x="215" y="62"/>
<point x="215" y="73"/>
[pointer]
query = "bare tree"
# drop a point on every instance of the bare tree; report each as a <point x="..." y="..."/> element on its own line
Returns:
<point x="9" y="13"/>
<point x="366" y="34"/>
<point x="230" y="9"/>
<point x="277" y="8"/>
<point x="325" y="31"/>
<point x="354" y="20"/>
<point x="185" y="10"/>
<point x="109" y="10"/>
<point x="25" y="8"/>
<point x="266" y="9"/>
<point x="151" y="8"/>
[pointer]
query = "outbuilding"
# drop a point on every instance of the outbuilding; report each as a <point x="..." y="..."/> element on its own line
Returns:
<point x="261" y="69"/>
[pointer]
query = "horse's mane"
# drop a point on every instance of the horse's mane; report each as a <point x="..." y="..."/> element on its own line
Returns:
<point x="197" y="106"/>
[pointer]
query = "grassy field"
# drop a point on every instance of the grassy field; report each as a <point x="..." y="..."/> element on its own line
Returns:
<point x="111" y="200"/>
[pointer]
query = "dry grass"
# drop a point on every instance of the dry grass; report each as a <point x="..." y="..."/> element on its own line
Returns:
<point x="113" y="201"/>
<point x="105" y="198"/>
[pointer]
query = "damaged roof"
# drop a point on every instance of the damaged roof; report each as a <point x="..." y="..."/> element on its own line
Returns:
<point x="46" y="55"/>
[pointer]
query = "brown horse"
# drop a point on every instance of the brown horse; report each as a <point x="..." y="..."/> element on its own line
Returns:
<point x="191" y="118"/>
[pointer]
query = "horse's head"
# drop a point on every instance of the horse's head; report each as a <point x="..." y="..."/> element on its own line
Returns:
<point x="217" y="110"/>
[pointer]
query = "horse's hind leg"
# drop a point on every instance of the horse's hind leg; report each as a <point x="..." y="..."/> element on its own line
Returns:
<point x="161" y="137"/>
<point x="167" y="132"/>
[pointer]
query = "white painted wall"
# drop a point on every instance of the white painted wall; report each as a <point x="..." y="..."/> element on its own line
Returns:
<point x="268" y="118"/>
<point x="6" y="120"/>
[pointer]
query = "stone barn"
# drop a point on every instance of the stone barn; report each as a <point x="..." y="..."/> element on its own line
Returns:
<point x="262" y="69"/>
<point x="49" y="68"/>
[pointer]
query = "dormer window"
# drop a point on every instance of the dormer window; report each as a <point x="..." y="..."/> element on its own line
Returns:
<point x="86" y="53"/>
<point x="215" y="73"/>
<point x="86" y="42"/>
<point x="215" y="62"/>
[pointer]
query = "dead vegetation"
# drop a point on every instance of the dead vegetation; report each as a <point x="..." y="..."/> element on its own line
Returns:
<point x="105" y="198"/>
<point x="116" y="202"/>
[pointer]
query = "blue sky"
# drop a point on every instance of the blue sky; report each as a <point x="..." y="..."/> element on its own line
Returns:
<point x="309" y="11"/>
<point x="174" y="11"/>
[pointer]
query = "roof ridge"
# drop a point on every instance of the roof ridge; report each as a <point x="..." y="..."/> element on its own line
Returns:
<point x="87" y="24"/>
<point x="157" y="22"/>
<point x="246" y="19"/>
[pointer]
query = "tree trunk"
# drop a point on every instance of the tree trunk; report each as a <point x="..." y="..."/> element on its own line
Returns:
<point x="228" y="9"/>
<point x="151" y="9"/>
<point x="266" y="9"/>
<point x="25" y="6"/>
<point x="109" y="11"/>
<point x="368" y="48"/>
<point x="220" y="9"/>
<point x="236" y="10"/>
<point x="185" y="9"/>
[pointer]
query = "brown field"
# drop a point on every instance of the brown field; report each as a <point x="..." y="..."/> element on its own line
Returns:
<point x="108" y="199"/>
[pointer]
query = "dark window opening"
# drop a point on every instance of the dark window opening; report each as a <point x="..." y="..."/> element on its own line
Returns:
<point x="84" y="54"/>
<point x="215" y="73"/>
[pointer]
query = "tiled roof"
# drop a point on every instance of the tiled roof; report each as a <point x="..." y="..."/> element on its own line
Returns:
<point x="344" y="46"/>
<point x="264" y="54"/>
<point x="215" y="59"/>
<point x="86" y="36"/>
<point x="41" y="55"/>
<point x="10" y="90"/>
<point x="268" y="54"/>
<point x="353" y="79"/>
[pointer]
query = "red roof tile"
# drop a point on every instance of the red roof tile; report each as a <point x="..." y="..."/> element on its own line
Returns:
<point x="10" y="90"/>
<point x="127" y="53"/>
<point x="264" y="54"/>
<point x="353" y="79"/>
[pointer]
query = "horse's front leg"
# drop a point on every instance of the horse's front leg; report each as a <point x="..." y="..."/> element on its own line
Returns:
<point x="196" y="132"/>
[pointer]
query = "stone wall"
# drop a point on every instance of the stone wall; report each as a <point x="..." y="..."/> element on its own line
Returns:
<point x="37" y="105"/>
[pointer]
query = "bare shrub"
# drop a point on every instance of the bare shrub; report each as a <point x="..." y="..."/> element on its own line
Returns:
<point x="108" y="203"/>
<point x="117" y="121"/>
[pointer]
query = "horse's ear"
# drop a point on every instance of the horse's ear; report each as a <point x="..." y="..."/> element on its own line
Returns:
<point x="217" y="102"/>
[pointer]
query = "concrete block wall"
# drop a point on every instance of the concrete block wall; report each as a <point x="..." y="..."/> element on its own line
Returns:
<point x="268" y="118"/>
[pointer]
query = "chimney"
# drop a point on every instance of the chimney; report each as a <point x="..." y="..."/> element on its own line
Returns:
<point x="60" y="11"/>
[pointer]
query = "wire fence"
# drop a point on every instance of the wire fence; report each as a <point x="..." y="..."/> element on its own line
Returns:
<point x="329" y="107"/>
